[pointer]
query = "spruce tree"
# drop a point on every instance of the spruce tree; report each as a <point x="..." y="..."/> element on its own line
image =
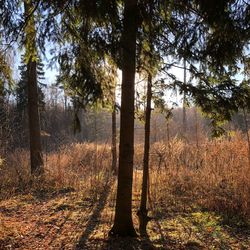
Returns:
<point x="22" y="86"/>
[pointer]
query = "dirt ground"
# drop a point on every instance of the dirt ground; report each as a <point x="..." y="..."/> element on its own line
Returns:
<point x="66" y="219"/>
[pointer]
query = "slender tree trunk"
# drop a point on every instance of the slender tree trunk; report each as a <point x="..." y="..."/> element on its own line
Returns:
<point x="81" y="118"/>
<point x="65" y="103"/>
<point x="36" y="159"/>
<point x="168" y="133"/>
<point x="2" y="112"/>
<point x="143" y="212"/>
<point x="247" y="134"/>
<point x="114" y="150"/>
<point x="184" y="115"/>
<point x="123" y="224"/>
<point x="1" y="93"/>
<point x="196" y="128"/>
<point x="2" y="120"/>
<point x="154" y="129"/>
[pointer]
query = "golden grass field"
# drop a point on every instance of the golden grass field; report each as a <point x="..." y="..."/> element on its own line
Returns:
<point x="199" y="197"/>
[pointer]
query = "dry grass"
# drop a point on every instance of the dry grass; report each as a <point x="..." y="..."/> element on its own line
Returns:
<point x="192" y="191"/>
<point x="215" y="175"/>
<point x="75" y="166"/>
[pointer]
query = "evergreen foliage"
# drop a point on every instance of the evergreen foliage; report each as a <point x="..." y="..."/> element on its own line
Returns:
<point x="21" y="89"/>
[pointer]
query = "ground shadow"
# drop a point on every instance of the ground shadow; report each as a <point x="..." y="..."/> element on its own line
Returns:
<point x="236" y="226"/>
<point x="47" y="194"/>
<point x="128" y="244"/>
<point x="166" y="242"/>
<point x="95" y="217"/>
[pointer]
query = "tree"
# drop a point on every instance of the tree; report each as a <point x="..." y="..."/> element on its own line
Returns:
<point x="36" y="160"/>
<point x="184" y="107"/>
<point x="5" y="75"/>
<point x="149" y="58"/>
<point x="5" y="84"/>
<point x="22" y="86"/>
<point x="213" y="40"/>
<point x="114" y="148"/>
<point x="21" y="94"/>
<point x="182" y="20"/>
<point x="123" y="224"/>
<point x="143" y="212"/>
<point x="114" y="111"/>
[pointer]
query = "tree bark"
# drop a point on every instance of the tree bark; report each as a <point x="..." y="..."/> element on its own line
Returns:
<point x="184" y="115"/>
<point x="247" y="134"/>
<point x="2" y="120"/>
<point x="143" y="212"/>
<point x="36" y="160"/>
<point x="34" y="122"/>
<point x="196" y="127"/>
<point x="123" y="224"/>
<point x="114" y="150"/>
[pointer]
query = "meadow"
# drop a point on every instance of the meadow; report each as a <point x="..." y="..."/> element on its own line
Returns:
<point x="199" y="197"/>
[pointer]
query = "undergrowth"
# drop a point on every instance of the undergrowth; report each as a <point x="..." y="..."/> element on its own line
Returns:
<point x="215" y="175"/>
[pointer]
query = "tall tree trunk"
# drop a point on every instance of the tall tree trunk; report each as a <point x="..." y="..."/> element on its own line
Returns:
<point x="2" y="112"/>
<point x="34" y="122"/>
<point x="184" y="115"/>
<point x="123" y="224"/>
<point x="114" y="150"/>
<point x="36" y="159"/>
<point x="143" y="212"/>
<point x="196" y="127"/>
<point x="2" y="120"/>
<point x="65" y="103"/>
<point x="247" y="134"/>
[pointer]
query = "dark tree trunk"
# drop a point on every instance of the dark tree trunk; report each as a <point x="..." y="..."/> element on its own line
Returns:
<point x="184" y="116"/>
<point x="247" y="134"/>
<point x="123" y="224"/>
<point x="114" y="150"/>
<point x="3" y="119"/>
<point x="65" y="103"/>
<point x="36" y="159"/>
<point x="143" y="212"/>
<point x="34" y="122"/>
<point x="196" y="127"/>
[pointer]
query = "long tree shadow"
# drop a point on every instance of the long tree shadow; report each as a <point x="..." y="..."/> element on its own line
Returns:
<point x="235" y="225"/>
<point x="164" y="241"/>
<point x="115" y="243"/>
<point x="128" y="243"/>
<point x="44" y="194"/>
<point x="95" y="217"/>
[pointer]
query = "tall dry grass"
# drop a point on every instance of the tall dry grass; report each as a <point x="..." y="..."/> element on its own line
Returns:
<point x="77" y="166"/>
<point x="214" y="175"/>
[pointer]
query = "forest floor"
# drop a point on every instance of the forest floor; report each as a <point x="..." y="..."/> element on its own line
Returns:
<point x="69" y="219"/>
